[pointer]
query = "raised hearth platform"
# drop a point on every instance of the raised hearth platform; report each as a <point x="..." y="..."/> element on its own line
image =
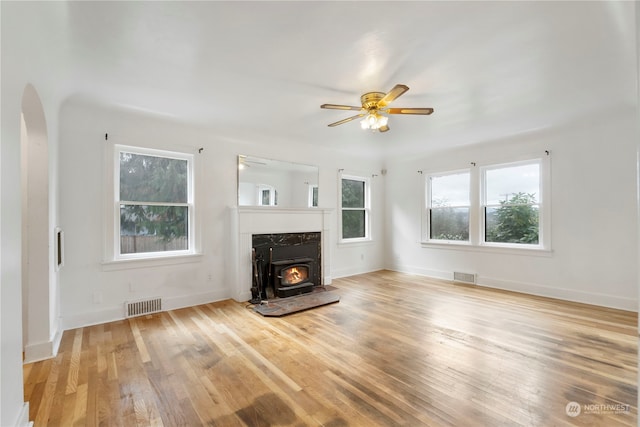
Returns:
<point x="283" y="306"/>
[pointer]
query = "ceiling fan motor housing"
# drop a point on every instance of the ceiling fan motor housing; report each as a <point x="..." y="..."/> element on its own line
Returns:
<point x="370" y="100"/>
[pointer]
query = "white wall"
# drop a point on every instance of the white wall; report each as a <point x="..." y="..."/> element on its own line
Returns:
<point x="24" y="61"/>
<point x="11" y="390"/>
<point x="93" y="291"/>
<point x="593" y="220"/>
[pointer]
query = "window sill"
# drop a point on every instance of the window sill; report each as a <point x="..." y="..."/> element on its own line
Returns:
<point x="124" y="264"/>
<point x="355" y="242"/>
<point x="507" y="250"/>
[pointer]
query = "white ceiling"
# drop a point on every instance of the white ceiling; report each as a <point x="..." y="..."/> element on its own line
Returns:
<point x="262" y="69"/>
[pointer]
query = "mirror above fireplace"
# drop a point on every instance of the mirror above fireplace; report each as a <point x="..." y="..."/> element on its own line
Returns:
<point x="268" y="182"/>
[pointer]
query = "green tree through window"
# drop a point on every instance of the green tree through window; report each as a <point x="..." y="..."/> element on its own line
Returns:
<point x="515" y="221"/>
<point x="354" y="209"/>
<point x="154" y="203"/>
<point x="512" y="209"/>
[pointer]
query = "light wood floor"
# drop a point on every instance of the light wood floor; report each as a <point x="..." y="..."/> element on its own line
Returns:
<point x="396" y="350"/>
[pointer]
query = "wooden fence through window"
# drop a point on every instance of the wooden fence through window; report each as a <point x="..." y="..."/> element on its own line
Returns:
<point x="138" y="244"/>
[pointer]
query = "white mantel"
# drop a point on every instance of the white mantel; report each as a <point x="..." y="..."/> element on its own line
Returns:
<point x="247" y="221"/>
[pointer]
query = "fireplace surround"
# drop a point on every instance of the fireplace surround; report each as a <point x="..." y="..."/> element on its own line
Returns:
<point x="248" y="221"/>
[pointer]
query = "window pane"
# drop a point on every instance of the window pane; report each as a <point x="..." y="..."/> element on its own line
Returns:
<point x="450" y="224"/>
<point x="353" y="224"/>
<point x="266" y="198"/>
<point x="152" y="179"/>
<point x="352" y="193"/>
<point x="145" y="228"/>
<point x="503" y="183"/>
<point x="450" y="190"/>
<point x="512" y="224"/>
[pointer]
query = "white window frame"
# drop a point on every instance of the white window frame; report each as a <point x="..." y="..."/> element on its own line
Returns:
<point x="114" y="247"/>
<point x="477" y="200"/>
<point x="367" y="208"/>
<point x="261" y="188"/>
<point x="429" y="207"/>
<point x="312" y="188"/>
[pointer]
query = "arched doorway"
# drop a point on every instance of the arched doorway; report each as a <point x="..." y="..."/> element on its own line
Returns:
<point x="36" y="243"/>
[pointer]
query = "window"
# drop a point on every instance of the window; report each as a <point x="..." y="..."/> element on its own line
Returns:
<point x="511" y="203"/>
<point x="497" y="205"/>
<point x="313" y="196"/>
<point x="153" y="203"/>
<point x="267" y="195"/>
<point x="449" y="206"/>
<point x="354" y="197"/>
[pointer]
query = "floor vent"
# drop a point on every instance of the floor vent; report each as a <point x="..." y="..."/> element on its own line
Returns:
<point x="138" y="308"/>
<point x="464" y="277"/>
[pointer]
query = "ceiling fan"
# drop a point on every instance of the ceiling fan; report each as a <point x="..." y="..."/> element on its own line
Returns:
<point x="374" y="108"/>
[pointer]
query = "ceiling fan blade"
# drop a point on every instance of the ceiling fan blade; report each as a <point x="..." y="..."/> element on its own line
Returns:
<point x="383" y="128"/>
<point x="348" y="119"/>
<point x="392" y="94"/>
<point x="423" y="111"/>
<point x="340" y="107"/>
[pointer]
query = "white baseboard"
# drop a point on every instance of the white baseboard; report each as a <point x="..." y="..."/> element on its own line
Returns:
<point x="603" y="300"/>
<point x="419" y="271"/>
<point x="43" y="350"/>
<point x="111" y="314"/>
<point x="23" y="417"/>
<point x="574" y="295"/>
<point x="38" y="351"/>
<point x="243" y="296"/>
<point x="173" y="303"/>
<point x="352" y="271"/>
<point x="56" y="339"/>
<point x="90" y="318"/>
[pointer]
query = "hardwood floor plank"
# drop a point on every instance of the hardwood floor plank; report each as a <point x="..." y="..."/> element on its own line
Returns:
<point x="142" y="348"/>
<point x="80" y="407"/>
<point x="396" y="350"/>
<point x="72" y="379"/>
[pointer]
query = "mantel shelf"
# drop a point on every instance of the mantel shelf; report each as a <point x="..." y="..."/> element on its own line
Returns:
<point x="276" y="209"/>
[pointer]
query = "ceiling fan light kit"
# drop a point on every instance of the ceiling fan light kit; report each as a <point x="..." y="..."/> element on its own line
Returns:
<point x="373" y="109"/>
<point x="374" y="121"/>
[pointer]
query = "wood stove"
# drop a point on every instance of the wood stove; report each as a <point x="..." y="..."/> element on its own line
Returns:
<point x="292" y="277"/>
<point x="288" y="264"/>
